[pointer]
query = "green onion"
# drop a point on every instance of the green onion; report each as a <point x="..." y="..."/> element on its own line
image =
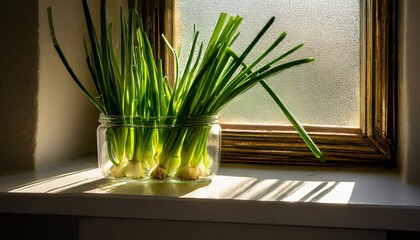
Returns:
<point x="131" y="85"/>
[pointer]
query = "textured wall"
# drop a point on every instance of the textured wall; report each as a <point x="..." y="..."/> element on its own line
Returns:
<point x="18" y="83"/>
<point x="66" y="119"/>
<point x="44" y="117"/>
<point x="409" y="91"/>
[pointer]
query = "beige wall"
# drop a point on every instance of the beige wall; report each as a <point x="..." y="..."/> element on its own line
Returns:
<point x="409" y="91"/>
<point x="18" y="83"/>
<point x="44" y="116"/>
<point x="66" y="120"/>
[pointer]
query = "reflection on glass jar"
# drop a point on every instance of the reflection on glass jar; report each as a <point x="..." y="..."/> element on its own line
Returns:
<point x="166" y="148"/>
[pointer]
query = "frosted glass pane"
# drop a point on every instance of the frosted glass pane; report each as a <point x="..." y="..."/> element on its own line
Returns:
<point x="325" y="92"/>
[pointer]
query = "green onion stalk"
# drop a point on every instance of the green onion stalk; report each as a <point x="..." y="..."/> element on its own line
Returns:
<point x="131" y="86"/>
<point x="220" y="76"/>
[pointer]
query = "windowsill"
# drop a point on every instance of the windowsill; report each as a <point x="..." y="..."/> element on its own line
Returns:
<point x="290" y="196"/>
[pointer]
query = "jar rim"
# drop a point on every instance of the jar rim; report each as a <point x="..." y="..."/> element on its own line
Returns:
<point x="163" y="121"/>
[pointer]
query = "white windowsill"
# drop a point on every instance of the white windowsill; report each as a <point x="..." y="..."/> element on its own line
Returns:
<point x="289" y="196"/>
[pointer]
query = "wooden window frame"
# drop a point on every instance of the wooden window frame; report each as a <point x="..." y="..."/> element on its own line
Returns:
<point x="374" y="144"/>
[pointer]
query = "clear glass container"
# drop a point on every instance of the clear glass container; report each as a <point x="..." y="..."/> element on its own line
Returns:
<point x="166" y="148"/>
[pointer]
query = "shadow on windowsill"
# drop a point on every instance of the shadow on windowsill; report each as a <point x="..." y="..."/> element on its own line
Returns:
<point x="170" y="189"/>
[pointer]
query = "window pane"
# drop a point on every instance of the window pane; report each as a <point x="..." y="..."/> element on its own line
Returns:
<point x="325" y="92"/>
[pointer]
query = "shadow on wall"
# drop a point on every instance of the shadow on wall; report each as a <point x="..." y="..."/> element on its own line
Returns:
<point x="18" y="83"/>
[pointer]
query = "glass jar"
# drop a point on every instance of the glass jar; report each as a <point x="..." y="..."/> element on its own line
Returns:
<point x="166" y="148"/>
